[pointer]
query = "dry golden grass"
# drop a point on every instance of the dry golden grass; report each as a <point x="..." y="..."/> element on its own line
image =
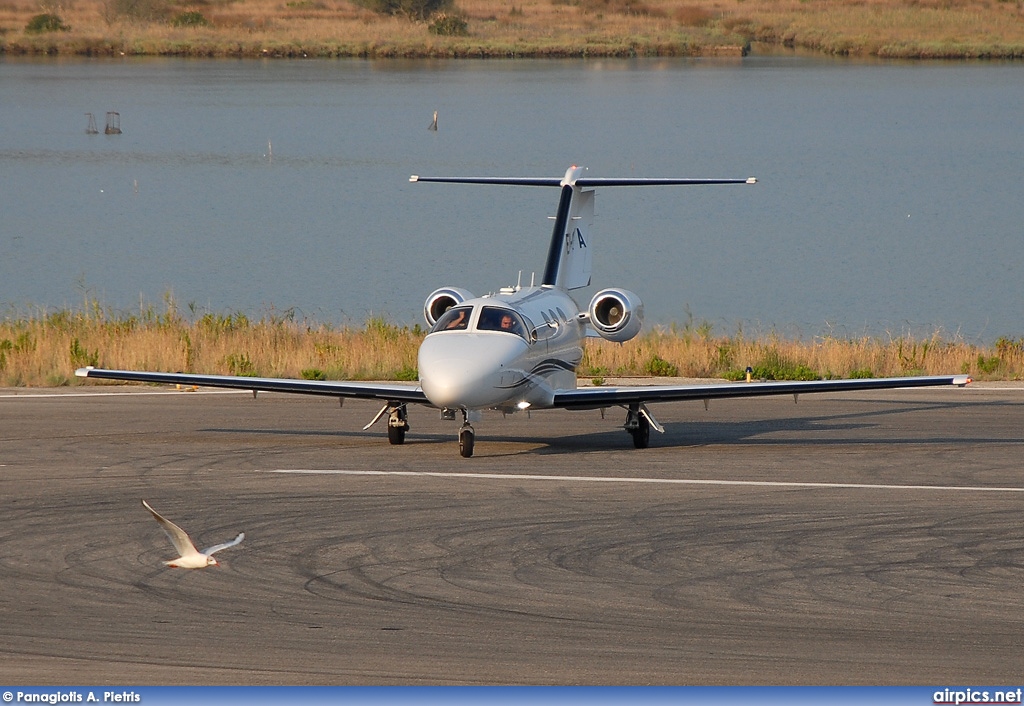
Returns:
<point x="910" y="28"/>
<point x="45" y="349"/>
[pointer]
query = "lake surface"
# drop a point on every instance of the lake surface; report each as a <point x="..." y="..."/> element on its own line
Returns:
<point x="889" y="201"/>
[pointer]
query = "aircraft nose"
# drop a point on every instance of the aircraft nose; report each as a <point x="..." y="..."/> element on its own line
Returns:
<point x="466" y="369"/>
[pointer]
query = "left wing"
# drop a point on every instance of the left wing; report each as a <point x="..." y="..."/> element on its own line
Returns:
<point x="594" y="397"/>
<point x="394" y="392"/>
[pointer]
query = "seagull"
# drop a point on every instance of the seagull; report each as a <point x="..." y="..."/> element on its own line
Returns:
<point x="190" y="558"/>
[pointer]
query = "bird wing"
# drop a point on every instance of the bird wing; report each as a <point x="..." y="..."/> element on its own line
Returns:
<point x="225" y="545"/>
<point x="179" y="538"/>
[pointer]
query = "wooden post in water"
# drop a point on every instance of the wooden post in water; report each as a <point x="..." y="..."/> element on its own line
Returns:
<point x="113" y="123"/>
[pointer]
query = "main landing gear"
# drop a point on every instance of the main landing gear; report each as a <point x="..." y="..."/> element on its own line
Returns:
<point x="398" y="423"/>
<point x="638" y="423"/>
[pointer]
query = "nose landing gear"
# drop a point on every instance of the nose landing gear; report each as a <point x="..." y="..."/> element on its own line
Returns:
<point x="466" y="436"/>
<point x="466" y="439"/>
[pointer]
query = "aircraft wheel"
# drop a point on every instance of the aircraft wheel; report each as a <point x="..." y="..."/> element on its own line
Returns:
<point x="642" y="434"/>
<point x="396" y="435"/>
<point x="466" y="438"/>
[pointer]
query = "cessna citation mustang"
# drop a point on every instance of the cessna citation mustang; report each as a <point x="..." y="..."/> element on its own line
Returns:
<point x="518" y="349"/>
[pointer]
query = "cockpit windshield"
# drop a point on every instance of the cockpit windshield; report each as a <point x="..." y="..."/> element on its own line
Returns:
<point x="455" y="319"/>
<point x="494" y="318"/>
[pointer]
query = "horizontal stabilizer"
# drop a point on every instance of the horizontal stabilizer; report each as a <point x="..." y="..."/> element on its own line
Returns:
<point x="581" y="181"/>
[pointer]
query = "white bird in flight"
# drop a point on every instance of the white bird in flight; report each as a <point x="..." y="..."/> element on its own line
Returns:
<point x="190" y="558"/>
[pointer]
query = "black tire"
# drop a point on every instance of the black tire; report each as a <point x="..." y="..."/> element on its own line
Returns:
<point x="642" y="434"/>
<point x="396" y="435"/>
<point x="466" y="439"/>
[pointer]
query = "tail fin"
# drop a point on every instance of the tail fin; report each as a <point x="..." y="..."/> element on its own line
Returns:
<point x="569" y="263"/>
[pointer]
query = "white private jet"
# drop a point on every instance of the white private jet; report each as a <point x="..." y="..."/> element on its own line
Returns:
<point x="518" y="349"/>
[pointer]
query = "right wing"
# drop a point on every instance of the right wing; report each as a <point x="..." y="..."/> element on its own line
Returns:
<point x="217" y="547"/>
<point x="393" y="392"/>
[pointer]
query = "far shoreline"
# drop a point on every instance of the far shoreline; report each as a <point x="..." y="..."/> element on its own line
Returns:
<point x="534" y="29"/>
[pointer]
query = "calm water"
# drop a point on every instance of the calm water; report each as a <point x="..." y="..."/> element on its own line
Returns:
<point x="890" y="195"/>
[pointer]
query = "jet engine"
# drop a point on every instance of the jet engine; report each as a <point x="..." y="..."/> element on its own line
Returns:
<point x="441" y="300"/>
<point x="616" y="314"/>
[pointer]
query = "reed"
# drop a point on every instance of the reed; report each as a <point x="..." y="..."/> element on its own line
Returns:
<point x="43" y="348"/>
<point x="540" y="28"/>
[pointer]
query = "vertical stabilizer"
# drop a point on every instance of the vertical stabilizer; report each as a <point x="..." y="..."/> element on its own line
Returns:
<point x="576" y="255"/>
<point x="569" y="259"/>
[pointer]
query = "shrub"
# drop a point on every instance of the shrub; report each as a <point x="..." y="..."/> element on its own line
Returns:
<point x="407" y="374"/>
<point x="190" y="19"/>
<point x="46" y="23"/>
<point x="240" y="364"/>
<point x="414" y="9"/>
<point x="659" y="367"/>
<point x="449" y="26"/>
<point x="81" y="357"/>
<point x="988" y="364"/>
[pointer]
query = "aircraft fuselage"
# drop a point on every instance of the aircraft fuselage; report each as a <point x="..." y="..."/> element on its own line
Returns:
<point x="478" y="364"/>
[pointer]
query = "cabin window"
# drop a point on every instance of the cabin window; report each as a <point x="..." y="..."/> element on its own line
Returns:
<point x="493" y="318"/>
<point x="455" y="319"/>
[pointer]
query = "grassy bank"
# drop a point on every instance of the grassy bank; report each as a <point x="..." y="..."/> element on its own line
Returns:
<point x="45" y="349"/>
<point x="530" y="28"/>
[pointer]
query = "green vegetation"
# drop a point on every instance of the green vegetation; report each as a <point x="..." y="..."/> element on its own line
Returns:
<point x="659" y="367"/>
<point x="46" y="23"/>
<point x="449" y="26"/>
<point x="190" y="19"/>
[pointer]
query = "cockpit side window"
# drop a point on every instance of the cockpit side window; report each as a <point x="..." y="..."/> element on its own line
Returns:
<point x="493" y="318"/>
<point x="455" y="319"/>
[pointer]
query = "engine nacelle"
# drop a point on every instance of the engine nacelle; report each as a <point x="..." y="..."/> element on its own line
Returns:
<point x="616" y="314"/>
<point x="441" y="300"/>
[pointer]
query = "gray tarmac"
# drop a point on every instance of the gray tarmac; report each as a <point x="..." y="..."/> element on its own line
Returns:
<point x="862" y="538"/>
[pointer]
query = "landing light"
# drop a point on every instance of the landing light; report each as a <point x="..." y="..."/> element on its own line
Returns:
<point x="523" y="405"/>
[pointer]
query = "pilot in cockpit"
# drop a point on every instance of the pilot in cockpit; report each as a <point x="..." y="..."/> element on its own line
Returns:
<point x="495" y="319"/>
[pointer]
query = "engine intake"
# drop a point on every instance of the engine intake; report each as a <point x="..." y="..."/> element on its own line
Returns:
<point x="616" y="314"/>
<point x="441" y="300"/>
